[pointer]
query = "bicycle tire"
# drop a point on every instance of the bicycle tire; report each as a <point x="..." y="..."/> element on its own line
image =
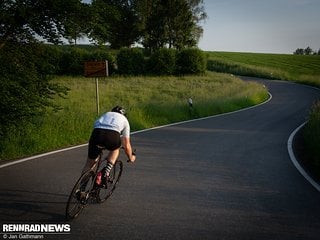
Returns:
<point x="77" y="203"/>
<point x="114" y="177"/>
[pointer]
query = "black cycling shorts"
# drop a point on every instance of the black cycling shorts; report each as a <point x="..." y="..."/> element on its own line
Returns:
<point x="105" y="138"/>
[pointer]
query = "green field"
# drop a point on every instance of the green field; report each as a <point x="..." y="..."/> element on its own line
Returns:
<point x="297" y="68"/>
<point x="150" y="101"/>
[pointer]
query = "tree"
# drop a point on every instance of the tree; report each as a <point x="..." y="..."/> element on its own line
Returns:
<point x="172" y="23"/>
<point x="155" y="35"/>
<point x="125" y="30"/>
<point x="77" y="23"/>
<point x="27" y="21"/>
<point x="199" y="15"/>
<point x="100" y="25"/>
<point x="299" y="51"/>
<point x="25" y="85"/>
<point x="180" y="24"/>
<point x="308" y="51"/>
<point x="115" y="22"/>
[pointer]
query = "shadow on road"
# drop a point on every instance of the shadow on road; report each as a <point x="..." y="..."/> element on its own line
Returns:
<point x="17" y="205"/>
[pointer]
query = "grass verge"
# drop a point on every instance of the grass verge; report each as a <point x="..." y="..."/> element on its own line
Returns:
<point x="150" y="101"/>
<point x="312" y="137"/>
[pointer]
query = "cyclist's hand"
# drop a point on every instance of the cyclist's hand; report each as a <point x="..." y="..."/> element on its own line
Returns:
<point x="133" y="157"/>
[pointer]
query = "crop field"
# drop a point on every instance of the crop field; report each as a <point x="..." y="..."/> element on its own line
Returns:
<point x="297" y="68"/>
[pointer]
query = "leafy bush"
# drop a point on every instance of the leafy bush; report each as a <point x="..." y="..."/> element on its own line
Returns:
<point x="162" y="62"/>
<point x="191" y="61"/>
<point x="69" y="60"/>
<point x="25" y="88"/>
<point x="52" y="55"/>
<point x="72" y="61"/>
<point x="131" y="61"/>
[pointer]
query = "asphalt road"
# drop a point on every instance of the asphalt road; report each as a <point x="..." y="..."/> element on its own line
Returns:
<point x="225" y="177"/>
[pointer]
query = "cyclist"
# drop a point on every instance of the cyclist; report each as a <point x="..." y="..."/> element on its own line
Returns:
<point x="111" y="131"/>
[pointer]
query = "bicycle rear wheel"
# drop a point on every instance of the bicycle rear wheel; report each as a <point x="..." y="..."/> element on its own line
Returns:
<point x="79" y="195"/>
<point x="114" y="177"/>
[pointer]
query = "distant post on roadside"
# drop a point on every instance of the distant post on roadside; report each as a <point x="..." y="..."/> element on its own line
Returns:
<point x="96" y="69"/>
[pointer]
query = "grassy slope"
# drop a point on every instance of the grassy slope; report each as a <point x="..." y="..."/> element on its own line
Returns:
<point x="150" y="101"/>
<point x="298" y="68"/>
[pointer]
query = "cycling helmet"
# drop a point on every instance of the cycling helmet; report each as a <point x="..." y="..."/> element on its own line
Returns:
<point x="119" y="109"/>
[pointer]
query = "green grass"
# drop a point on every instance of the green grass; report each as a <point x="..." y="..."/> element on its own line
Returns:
<point x="150" y="101"/>
<point x="297" y="68"/>
<point x="312" y="137"/>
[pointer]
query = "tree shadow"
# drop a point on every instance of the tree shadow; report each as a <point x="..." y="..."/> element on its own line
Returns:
<point x="17" y="205"/>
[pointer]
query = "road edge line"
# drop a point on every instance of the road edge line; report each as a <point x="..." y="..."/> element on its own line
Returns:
<point x="40" y="155"/>
<point x="14" y="162"/>
<point x="296" y="162"/>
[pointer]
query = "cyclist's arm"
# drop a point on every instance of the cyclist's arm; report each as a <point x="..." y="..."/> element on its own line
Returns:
<point x="128" y="149"/>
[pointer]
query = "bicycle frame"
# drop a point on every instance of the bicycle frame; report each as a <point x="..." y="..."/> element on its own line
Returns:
<point x="86" y="188"/>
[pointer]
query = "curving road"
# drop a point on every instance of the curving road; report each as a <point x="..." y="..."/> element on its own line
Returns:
<point x="225" y="177"/>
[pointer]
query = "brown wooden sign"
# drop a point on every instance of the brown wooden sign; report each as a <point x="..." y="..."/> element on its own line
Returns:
<point x="96" y="69"/>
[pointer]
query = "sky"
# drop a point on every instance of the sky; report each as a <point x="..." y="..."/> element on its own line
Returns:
<point x="262" y="26"/>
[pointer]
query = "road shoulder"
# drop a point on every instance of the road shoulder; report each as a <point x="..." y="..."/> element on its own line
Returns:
<point x="299" y="157"/>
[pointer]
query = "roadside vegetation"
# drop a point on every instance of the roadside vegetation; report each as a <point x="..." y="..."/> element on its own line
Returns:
<point x="150" y="101"/>
<point x="312" y="137"/>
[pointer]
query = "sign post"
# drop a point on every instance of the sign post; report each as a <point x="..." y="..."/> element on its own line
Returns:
<point x="96" y="69"/>
<point x="97" y="96"/>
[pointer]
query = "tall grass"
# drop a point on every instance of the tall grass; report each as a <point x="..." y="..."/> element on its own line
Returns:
<point x="312" y="135"/>
<point x="150" y="101"/>
<point x="297" y="68"/>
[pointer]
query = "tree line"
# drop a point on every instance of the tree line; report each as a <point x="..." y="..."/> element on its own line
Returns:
<point x="306" y="51"/>
<point x="117" y="23"/>
<point x="26" y="63"/>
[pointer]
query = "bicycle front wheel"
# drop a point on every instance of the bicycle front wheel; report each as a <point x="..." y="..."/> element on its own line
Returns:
<point x="79" y="195"/>
<point x="114" y="177"/>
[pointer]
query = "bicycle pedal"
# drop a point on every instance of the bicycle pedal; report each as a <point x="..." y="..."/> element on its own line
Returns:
<point x="83" y="197"/>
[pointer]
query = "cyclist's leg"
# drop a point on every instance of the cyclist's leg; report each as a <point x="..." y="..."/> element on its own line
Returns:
<point x="111" y="160"/>
<point x="113" y="156"/>
<point x="89" y="164"/>
<point x="93" y="150"/>
<point x="113" y="145"/>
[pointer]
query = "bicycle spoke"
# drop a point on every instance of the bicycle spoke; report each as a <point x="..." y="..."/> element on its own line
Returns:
<point x="79" y="195"/>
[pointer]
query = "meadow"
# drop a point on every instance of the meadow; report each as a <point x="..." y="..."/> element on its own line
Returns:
<point x="150" y="101"/>
<point x="297" y="68"/>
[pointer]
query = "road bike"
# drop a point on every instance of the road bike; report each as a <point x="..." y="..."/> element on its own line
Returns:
<point x="86" y="190"/>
